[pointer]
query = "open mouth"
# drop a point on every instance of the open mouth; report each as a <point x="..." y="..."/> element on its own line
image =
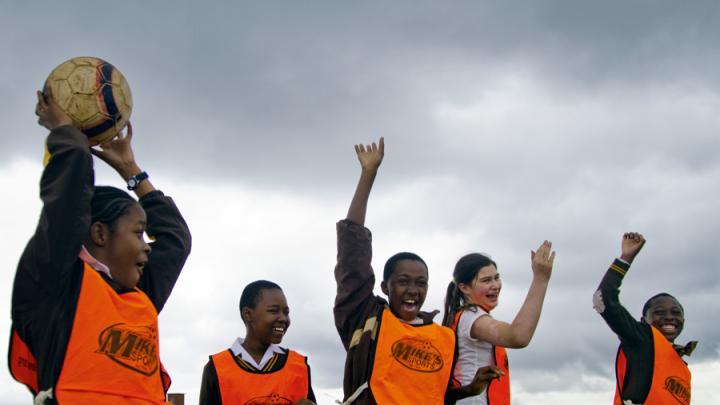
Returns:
<point x="668" y="328"/>
<point x="279" y="330"/>
<point x="410" y="306"/>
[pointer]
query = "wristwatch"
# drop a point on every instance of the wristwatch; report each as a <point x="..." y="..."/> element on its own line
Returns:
<point x="134" y="181"/>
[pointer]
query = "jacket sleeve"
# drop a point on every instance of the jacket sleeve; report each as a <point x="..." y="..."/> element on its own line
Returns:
<point x="170" y="244"/>
<point x="607" y="303"/>
<point x="209" y="388"/>
<point x="66" y="188"/>
<point x="354" y="277"/>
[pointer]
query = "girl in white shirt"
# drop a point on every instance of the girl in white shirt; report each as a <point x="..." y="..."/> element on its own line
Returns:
<point x="472" y="294"/>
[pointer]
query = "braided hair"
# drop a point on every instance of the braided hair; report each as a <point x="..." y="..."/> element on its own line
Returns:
<point x="108" y="204"/>
<point x="466" y="269"/>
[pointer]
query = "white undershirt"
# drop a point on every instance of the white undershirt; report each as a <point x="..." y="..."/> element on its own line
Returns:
<point x="472" y="354"/>
<point x="237" y="349"/>
<point x="98" y="266"/>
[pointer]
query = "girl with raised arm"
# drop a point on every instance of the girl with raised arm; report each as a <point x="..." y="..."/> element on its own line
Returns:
<point x="396" y="354"/>
<point x="88" y="288"/>
<point x="473" y="293"/>
<point x="649" y="366"/>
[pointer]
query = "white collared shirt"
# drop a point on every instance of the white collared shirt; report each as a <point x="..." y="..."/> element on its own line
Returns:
<point x="237" y="349"/>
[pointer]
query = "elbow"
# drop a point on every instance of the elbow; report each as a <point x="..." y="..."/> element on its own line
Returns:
<point x="519" y="343"/>
<point x="187" y="245"/>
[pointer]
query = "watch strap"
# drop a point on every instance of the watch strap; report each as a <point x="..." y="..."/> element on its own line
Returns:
<point x="134" y="181"/>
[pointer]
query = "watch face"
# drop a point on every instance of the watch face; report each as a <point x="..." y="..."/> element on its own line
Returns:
<point x="132" y="183"/>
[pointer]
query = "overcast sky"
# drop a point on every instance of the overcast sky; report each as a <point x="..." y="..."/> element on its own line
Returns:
<point x="505" y="124"/>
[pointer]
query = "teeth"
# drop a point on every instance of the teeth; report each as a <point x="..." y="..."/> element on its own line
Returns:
<point x="668" y="328"/>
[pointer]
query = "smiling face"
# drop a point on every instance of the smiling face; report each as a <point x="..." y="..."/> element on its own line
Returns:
<point x="484" y="289"/>
<point x="121" y="246"/>
<point x="406" y="288"/>
<point x="269" y="320"/>
<point x="666" y="314"/>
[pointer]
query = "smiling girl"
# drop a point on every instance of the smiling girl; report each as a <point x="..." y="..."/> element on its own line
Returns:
<point x="473" y="293"/>
<point x="396" y="354"/>
<point x="88" y="288"/>
<point x="649" y="365"/>
<point x="256" y="370"/>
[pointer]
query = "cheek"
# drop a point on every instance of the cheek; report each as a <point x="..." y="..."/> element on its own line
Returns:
<point x="481" y="290"/>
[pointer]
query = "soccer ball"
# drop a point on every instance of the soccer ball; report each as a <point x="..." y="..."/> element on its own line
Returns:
<point x="94" y="94"/>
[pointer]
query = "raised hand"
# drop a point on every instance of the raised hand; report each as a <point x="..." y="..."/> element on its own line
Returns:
<point x="632" y="243"/>
<point x="371" y="156"/>
<point x="118" y="153"/>
<point x="50" y="115"/>
<point x="542" y="260"/>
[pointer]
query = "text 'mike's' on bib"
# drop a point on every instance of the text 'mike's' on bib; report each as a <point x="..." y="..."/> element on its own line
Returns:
<point x="242" y="387"/>
<point x="498" y="391"/>
<point x="113" y="353"/>
<point x="412" y="364"/>
<point x="670" y="379"/>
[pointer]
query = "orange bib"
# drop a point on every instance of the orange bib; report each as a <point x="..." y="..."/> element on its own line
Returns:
<point x="671" y="376"/>
<point x="283" y="387"/>
<point x="112" y="355"/>
<point x="412" y="364"/>
<point x="498" y="392"/>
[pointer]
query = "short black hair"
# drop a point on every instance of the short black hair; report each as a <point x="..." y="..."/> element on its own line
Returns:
<point x="108" y="204"/>
<point x="662" y="294"/>
<point x="251" y="294"/>
<point x="392" y="261"/>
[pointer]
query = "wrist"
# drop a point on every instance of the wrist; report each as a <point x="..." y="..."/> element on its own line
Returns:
<point x="627" y="258"/>
<point x="129" y="170"/>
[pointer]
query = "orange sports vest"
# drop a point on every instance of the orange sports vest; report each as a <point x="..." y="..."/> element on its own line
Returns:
<point x="498" y="391"/>
<point x="283" y="387"/>
<point x="412" y="364"/>
<point x="671" y="376"/>
<point x="112" y="354"/>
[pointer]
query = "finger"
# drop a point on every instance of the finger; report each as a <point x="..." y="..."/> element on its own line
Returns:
<point x="382" y="145"/>
<point x="532" y="255"/>
<point x="98" y="153"/>
<point x="357" y="149"/>
<point x="552" y="258"/>
<point x="548" y="249"/>
<point x="41" y="100"/>
<point x="374" y="147"/>
<point x="129" y="133"/>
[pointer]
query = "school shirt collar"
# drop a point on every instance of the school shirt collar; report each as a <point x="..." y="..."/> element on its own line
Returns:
<point x="85" y="256"/>
<point x="238" y="350"/>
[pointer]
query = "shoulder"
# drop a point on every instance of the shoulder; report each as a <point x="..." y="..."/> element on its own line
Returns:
<point x="472" y="315"/>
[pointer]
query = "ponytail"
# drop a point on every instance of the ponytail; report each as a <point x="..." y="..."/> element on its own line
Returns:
<point x="453" y="299"/>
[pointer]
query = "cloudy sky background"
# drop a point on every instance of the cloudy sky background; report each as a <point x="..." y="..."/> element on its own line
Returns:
<point x="505" y="124"/>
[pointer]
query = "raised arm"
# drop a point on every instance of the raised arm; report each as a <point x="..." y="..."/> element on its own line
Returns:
<point x="166" y="226"/>
<point x="606" y="299"/>
<point x="370" y="158"/>
<point x="519" y="333"/>
<point x="66" y="188"/>
<point x="353" y="273"/>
